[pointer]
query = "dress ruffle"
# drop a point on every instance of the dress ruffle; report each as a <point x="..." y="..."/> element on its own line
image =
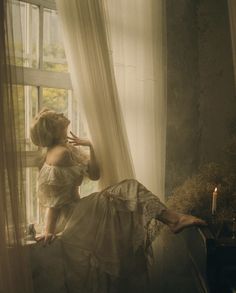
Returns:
<point x="57" y="185"/>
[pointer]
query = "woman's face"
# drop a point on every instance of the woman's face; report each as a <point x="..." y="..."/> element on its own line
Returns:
<point x="63" y="123"/>
<point x="62" y="119"/>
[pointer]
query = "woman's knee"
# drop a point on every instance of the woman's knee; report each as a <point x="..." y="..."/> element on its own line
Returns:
<point x="132" y="181"/>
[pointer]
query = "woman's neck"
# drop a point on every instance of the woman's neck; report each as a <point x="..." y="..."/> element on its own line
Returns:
<point x="62" y="142"/>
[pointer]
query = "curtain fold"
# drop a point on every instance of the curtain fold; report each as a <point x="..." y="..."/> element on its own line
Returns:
<point x="85" y="38"/>
<point x="15" y="275"/>
<point x="137" y="33"/>
<point x="116" y="56"/>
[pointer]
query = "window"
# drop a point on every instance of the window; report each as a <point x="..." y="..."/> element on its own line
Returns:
<point x="46" y="82"/>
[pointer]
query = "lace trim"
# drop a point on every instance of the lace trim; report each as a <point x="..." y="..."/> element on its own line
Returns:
<point x="56" y="175"/>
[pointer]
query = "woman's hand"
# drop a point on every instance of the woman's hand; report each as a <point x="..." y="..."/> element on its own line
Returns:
<point x="47" y="238"/>
<point x="76" y="141"/>
<point x="93" y="168"/>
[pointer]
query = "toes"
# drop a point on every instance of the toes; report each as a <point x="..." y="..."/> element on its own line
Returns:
<point x="200" y="222"/>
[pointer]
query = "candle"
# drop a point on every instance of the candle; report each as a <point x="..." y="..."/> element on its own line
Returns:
<point x="214" y="201"/>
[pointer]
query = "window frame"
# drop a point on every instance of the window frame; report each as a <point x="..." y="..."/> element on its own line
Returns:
<point x="40" y="78"/>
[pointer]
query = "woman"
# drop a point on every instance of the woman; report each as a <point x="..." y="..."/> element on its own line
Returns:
<point x="105" y="235"/>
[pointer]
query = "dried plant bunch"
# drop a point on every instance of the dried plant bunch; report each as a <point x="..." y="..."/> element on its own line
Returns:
<point x="195" y="194"/>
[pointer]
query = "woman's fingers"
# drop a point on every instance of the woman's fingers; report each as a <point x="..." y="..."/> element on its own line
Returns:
<point x="73" y="142"/>
<point x="47" y="239"/>
<point x="73" y="134"/>
<point x="200" y="222"/>
<point x="53" y="238"/>
<point x="72" y="138"/>
<point x="39" y="238"/>
<point x="78" y="141"/>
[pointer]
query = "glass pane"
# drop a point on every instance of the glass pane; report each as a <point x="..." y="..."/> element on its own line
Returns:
<point x="55" y="99"/>
<point x="27" y="104"/>
<point x="18" y="94"/>
<point x="88" y="186"/>
<point x="26" y="35"/>
<point x="33" y="215"/>
<point x="31" y="107"/>
<point x="53" y="50"/>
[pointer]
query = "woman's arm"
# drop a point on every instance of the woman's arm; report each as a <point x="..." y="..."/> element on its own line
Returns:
<point x="93" y="167"/>
<point x="51" y="220"/>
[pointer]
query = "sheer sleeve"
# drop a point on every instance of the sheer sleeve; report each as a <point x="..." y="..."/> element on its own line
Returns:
<point x="57" y="185"/>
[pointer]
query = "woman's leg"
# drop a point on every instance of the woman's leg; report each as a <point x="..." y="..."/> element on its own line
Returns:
<point x="132" y="190"/>
<point x="177" y="221"/>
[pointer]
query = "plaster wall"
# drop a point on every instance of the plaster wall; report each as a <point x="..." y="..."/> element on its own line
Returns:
<point x="200" y="86"/>
<point x="182" y="91"/>
<point x="217" y="102"/>
<point x="201" y="109"/>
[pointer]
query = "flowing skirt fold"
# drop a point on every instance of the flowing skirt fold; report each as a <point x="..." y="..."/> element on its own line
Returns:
<point x="107" y="239"/>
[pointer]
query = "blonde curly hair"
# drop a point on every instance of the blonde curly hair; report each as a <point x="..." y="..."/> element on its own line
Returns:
<point x="46" y="128"/>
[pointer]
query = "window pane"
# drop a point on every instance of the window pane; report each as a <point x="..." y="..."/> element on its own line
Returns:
<point x="55" y="99"/>
<point x="33" y="215"/>
<point x="26" y="34"/>
<point x="31" y="107"/>
<point x="88" y="186"/>
<point x="18" y="93"/>
<point x="27" y="101"/>
<point x="53" y="50"/>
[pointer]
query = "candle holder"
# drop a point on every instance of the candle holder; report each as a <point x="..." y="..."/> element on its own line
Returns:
<point x="215" y="225"/>
<point x="214" y="218"/>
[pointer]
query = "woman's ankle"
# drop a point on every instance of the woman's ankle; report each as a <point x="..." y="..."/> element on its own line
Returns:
<point x="177" y="222"/>
<point x="169" y="217"/>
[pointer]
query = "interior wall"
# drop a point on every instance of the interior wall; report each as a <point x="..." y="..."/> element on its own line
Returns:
<point x="182" y="91"/>
<point x="201" y="108"/>
<point x="200" y="86"/>
<point x="217" y="91"/>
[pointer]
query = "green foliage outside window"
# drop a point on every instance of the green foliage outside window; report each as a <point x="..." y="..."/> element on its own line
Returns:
<point x="55" y="99"/>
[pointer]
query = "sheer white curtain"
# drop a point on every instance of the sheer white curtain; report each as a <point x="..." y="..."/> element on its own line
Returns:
<point x="137" y="34"/>
<point x="136" y="45"/>
<point x="15" y="273"/>
<point x="92" y="74"/>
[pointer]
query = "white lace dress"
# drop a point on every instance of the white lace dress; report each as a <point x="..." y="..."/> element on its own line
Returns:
<point x="105" y="235"/>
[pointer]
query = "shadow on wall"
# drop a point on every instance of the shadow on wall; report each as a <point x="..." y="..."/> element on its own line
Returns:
<point x="201" y="92"/>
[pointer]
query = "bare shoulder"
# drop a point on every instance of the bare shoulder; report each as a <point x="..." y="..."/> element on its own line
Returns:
<point x="59" y="156"/>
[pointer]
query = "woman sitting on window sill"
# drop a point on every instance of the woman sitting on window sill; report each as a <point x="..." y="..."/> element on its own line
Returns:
<point x="106" y="234"/>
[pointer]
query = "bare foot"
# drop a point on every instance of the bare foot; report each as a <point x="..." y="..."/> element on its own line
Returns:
<point x="185" y="221"/>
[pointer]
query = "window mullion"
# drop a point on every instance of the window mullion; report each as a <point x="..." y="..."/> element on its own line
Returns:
<point x="70" y="107"/>
<point x="50" y="4"/>
<point x="36" y="77"/>
<point x="41" y="37"/>
<point x="40" y="98"/>
<point x="27" y="33"/>
<point x="49" y="74"/>
<point x="27" y="113"/>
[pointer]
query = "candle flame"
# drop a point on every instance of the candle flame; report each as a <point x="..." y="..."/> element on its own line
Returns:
<point x="215" y="189"/>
